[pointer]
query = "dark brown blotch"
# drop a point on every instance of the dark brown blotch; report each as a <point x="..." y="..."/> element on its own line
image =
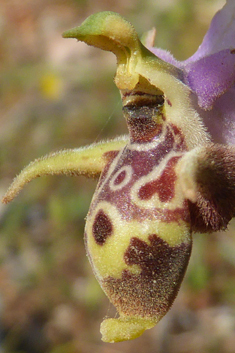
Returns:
<point x="152" y="292"/>
<point x="120" y="178"/>
<point x="164" y="186"/>
<point x="102" y="227"/>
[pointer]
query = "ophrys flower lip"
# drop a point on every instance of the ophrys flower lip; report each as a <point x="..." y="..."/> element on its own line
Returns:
<point x="157" y="186"/>
<point x="210" y="74"/>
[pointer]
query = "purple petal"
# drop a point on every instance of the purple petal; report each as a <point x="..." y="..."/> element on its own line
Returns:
<point x="211" y="76"/>
<point x="221" y="34"/>
<point x="220" y="121"/>
<point x="210" y="73"/>
<point x="165" y="55"/>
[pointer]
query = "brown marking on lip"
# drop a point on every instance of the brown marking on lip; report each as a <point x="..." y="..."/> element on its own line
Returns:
<point x="169" y="102"/>
<point x="152" y="292"/>
<point x="102" y="227"/>
<point x="164" y="186"/>
<point x="144" y="121"/>
<point x="109" y="157"/>
<point x="120" y="177"/>
<point x="181" y="144"/>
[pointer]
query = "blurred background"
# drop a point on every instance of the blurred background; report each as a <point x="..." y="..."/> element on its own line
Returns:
<point x="56" y="93"/>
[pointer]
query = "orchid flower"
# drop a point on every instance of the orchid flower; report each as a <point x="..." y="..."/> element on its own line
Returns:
<point x="172" y="176"/>
<point x="210" y="73"/>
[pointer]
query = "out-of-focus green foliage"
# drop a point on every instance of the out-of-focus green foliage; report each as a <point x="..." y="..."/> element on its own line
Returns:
<point x="56" y="94"/>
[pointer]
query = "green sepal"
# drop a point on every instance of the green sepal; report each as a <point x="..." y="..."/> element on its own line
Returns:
<point x="139" y="70"/>
<point x="110" y="31"/>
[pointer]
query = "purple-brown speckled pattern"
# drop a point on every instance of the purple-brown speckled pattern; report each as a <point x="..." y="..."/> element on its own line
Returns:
<point x="139" y="183"/>
<point x="149" y="294"/>
<point x="141" y="163"/>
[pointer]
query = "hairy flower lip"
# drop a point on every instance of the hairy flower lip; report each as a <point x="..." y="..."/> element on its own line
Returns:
<point x="139" y="202"/>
